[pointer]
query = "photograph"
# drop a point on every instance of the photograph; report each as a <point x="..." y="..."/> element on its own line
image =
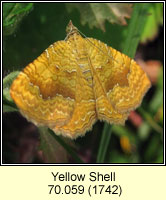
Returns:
<point x="82" y="83"/>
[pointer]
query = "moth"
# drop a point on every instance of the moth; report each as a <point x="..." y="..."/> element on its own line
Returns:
<point x="76" y="82"/>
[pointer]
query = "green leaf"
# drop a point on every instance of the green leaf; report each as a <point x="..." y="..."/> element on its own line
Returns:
<point x="8" y="104"/>
<point x="8" y="108"/>
<point x="105" y="140"/>
<point x="135" y="28"/>
<point x="13" y="14"/>
<point x="153" y="22"/>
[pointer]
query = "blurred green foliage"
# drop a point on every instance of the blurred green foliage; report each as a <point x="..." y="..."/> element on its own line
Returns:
<point x="25" y="38"/>
<point x="153" y="21"/>
<point x="13" y="14"/>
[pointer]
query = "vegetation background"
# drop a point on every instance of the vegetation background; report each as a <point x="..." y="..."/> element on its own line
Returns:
<point x="29" y="28"/>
